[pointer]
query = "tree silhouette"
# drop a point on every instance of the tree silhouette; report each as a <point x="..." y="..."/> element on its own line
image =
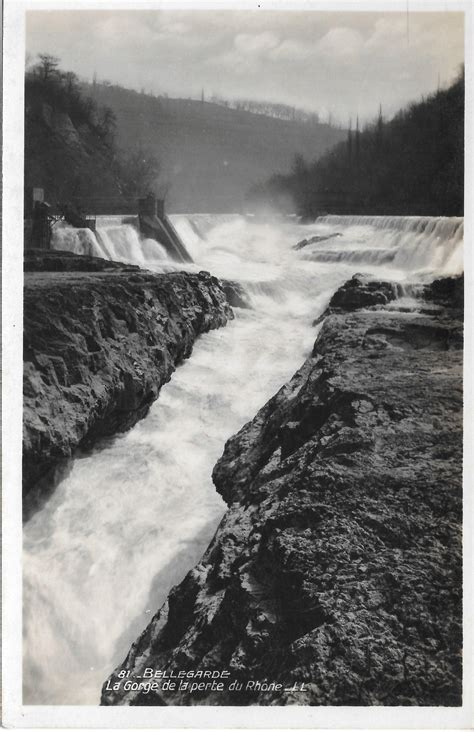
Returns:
<point x="48" y="65"/>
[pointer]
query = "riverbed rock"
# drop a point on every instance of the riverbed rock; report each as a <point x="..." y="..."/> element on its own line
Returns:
<point x="52" y="260"/>
<point x="236" y="294"/>
<point x="446" y="292"/>
<point x="315" y="240"/>
<point x="361" y="291"/>
<point x="336" y="570"/>
<point x="100" y="340"/>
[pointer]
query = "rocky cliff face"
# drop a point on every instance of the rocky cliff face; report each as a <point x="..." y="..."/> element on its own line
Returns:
<point x="336" y="570"/>
<point x="65" y="153"/>
<point x="100" y="339"/>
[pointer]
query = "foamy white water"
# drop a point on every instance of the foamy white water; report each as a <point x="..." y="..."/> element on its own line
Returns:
<point x="134" y="516"/>
<point x="120" y="242"/>
<point x="409" y="243"/>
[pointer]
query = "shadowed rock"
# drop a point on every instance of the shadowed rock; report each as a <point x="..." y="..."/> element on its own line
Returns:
<point x="447" y="291"/>
<point x="360" y="292"/>
<point x="51" y="260"/>
<point x="236" y="294"/>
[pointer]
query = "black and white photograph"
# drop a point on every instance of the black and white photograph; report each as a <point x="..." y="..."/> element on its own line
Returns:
<point x="233" y="328"/>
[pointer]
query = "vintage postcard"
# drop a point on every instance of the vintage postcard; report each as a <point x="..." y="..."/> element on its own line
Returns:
<point x="235" y="332"/>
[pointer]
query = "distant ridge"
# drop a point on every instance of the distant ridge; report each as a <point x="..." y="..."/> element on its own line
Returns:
<point x="411" y="165"/>
<point x="211" y="155"/>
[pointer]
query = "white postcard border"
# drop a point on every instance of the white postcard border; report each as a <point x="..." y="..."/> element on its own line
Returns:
<point x="16" y="715"/>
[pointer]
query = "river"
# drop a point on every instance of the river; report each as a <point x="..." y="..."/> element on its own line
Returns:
<point x="132" y="517"/>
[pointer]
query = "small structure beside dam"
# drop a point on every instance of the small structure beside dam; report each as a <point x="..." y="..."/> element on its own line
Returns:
<point x="154" y="224"/>
<point x="149" y="219"/>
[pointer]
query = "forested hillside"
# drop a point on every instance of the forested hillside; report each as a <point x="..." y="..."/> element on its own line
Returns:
<point x="210" y="154"/>
<point x="412" y="165"/>
<point x="69" y="142"/>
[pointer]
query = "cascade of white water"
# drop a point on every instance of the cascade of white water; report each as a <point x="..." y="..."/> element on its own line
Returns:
<point x="133" y="517"/>
<point x="123" y="243"/>
<point x="80" y="241"/>
<point x="113" y="240"/>
<point x="430" y="244"/>
<point x="445" y="225"/>
<point x="407" y="243"/>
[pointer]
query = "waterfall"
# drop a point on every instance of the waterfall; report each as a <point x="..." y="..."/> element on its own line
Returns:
<point x="123" y="243"/>
<point x="406" y="243"/>
<point x="136" y="514"/>
<point x="113" y="240"/>
<point x="409" y="243"/>
<point x="80" y="241"/>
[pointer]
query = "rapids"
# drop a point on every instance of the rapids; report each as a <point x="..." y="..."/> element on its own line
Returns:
<point x="132" y="517"/>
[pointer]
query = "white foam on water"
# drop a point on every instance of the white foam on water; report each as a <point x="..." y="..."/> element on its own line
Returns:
<point x="78" y="241"/>
<point x="409" y="243"/>
<point x="134" y="516"/>
<point x="113" y="240"/>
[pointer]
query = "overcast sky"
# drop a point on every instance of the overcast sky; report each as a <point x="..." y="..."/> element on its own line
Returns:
<point x="338" y="62"/>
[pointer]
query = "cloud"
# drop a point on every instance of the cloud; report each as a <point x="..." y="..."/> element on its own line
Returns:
<point x="292" y="50"/>
<point x="394" y="35"/>
<point x="111" y="29"/>
<point x="256" y="44"/>
<point x="388" y="35"/>
<point x="337" y="45"/>
<point x="340" y="43"/>
<point x="340" y="61"/>
<point x="145" y="31"/>
<point x="249" y="50"/>
<point x="170" y="23"/>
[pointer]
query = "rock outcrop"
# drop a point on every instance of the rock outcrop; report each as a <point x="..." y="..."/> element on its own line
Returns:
<point x="236" y="294"/>
<point x="52" y="260"/>
<point x="315" y="240"/>
<point x="361" y="292"/>
<point x="100" y="339"/>
<point x="336" y="570"/>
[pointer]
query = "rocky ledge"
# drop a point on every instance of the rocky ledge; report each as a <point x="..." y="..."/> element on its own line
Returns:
<point x="100" y="339"/>
<point x="336" y="570"/>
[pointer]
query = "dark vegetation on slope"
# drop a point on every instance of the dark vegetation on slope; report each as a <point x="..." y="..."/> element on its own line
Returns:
<point x="70" y="146"/>
<point x="100" y="340"/>
<point x="203" y="142"/>
<point x="411" y="165"/>
<point x="338" y="562"/>
<point x="97" y="143"/>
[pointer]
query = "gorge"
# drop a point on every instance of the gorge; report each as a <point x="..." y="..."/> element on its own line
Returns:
<point x="337" y="489"/>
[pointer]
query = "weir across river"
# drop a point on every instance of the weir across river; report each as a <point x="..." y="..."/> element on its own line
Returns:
<point x="150" y="221"/>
